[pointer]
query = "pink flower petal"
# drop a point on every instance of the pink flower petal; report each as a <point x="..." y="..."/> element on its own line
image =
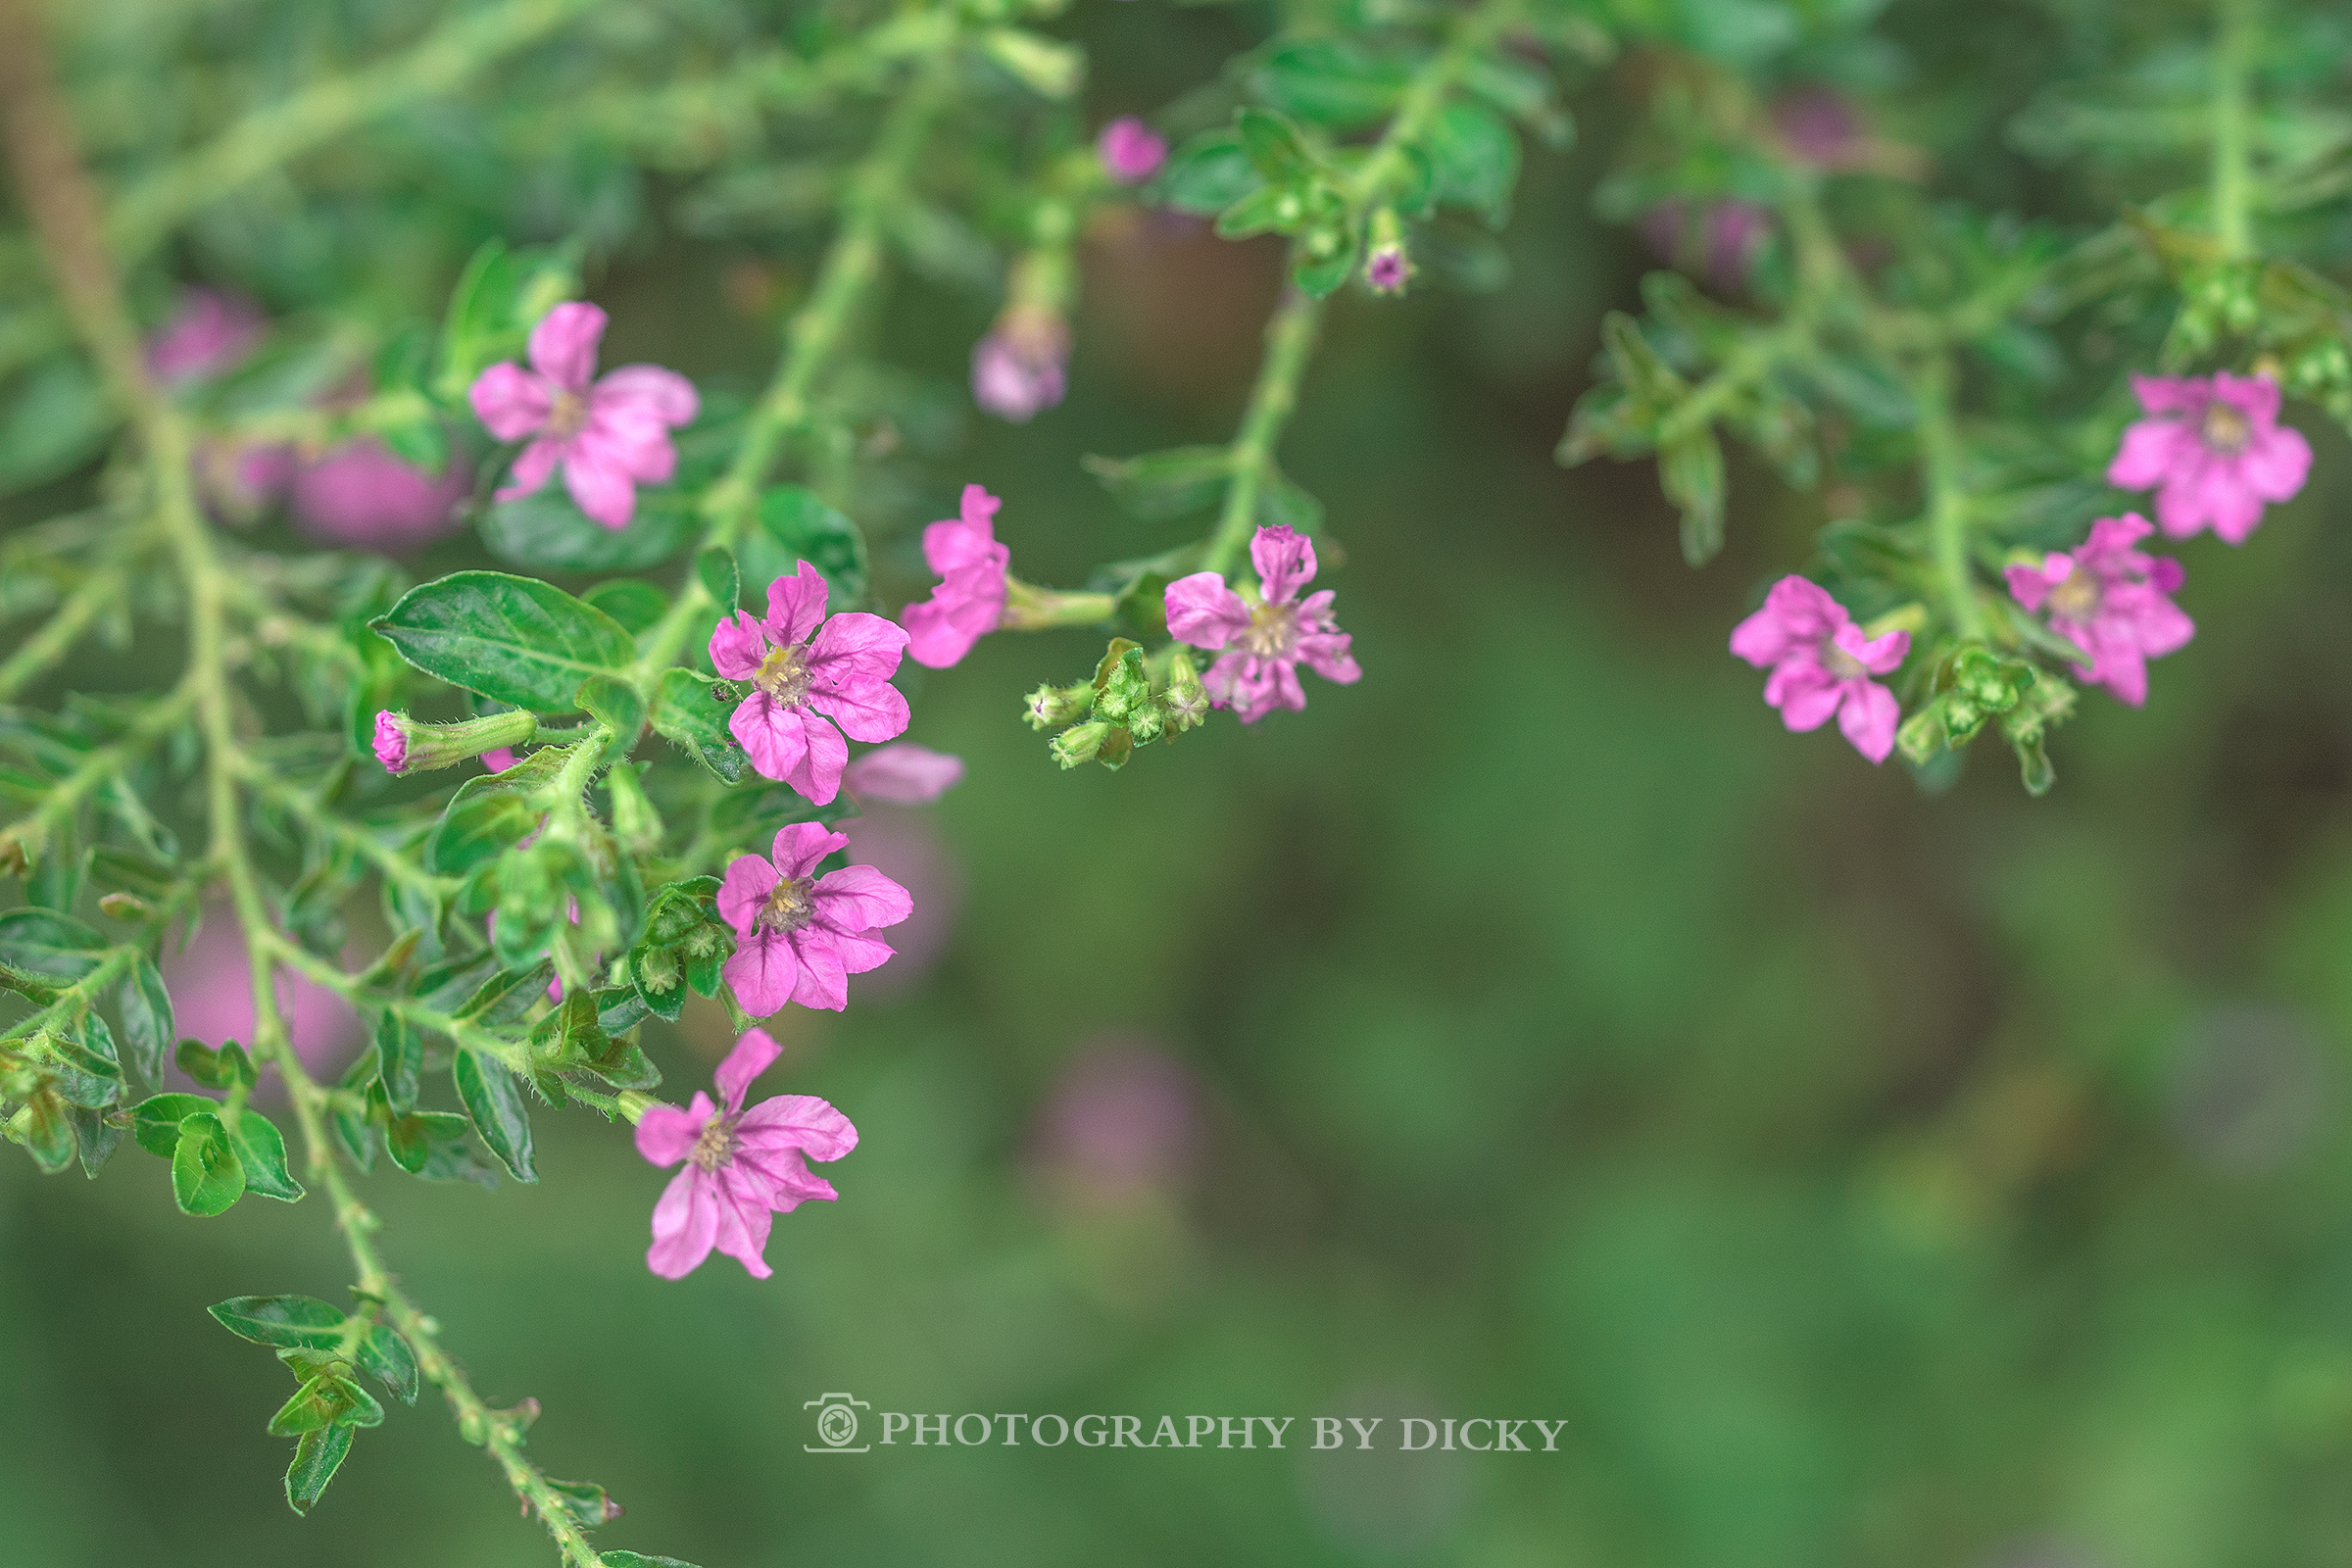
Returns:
<point x="762" y="971"/>
<point x="737" y="647"/>
<point x="2151" y="449"/>
<point x="532" y="467"/>
<point x="858" y="898"/>
<point x="1327" y="654"/>
<point x="867" y="710"/>
<point x="665" y="1134"/>
<point x="786" y="1179"/>
<point x="2275" y="463"/>
<point x="774" y="736"/>
<point x="685" y="1224"/>
<point x="601" y="490"/>
<point x="1807" y="699"/>
<point x="509" y="401"/>
<point x="2170" y="394"/>
<point x="1285" y="560"/>
<point x="564" y="344"/>
<point x="824" y="981"/>
<point x="743" y="892"/>
<point x="743" y="1220"/>
<point x="862" y="951"/>
<point x="1204" y="612"/>
<point x="903" y="774"/>
<point x="819" y="776"/>
<point x="753" y="1055"/>
<point x="2254" y="396"/>
<point x="796" y="1121"/>
<point x="662" y="393"/>
<point x="795" y="605"/>
<point x="1868" y="719"/>
<point x="800" y="845"/>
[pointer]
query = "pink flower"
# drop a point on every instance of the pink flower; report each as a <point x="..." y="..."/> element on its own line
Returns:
<point x="496" y="761"/>
<point x="2110" y="601"/>
<point x="843" y="675"/>
<point x="391" y="742"/>
<point x="360" y="494"/>
<point x="742" y="1166"/>
<point x="1263" y="645"/>
<point x="1820" y="128"/>
<point x="797" y="937"/>
<point x="1388" y="269"/>
<point x="1131" y="151"/>
<point x="1021" y="368"/>
<point x="903" y="774"/>
<point x="611" y="436"/>
<point x="1122" y="1121"/>
<point x="1821" y="665"/>
<point x="969" y="600"/>
<point x="211" y="983"/>
<point x="1720" y="241"/>
<point x="209" y="334"/>
<point x="2216" y="448"/>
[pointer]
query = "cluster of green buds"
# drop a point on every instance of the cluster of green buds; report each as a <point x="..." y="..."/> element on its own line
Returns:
<point x="54" y="1096"/>
<point x="1106" y="720"/>
<point x="684" y="945"/>
<point x="1972" y="686"/>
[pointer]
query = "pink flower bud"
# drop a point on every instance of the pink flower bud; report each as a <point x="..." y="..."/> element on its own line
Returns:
<point x="1131" y="151"/>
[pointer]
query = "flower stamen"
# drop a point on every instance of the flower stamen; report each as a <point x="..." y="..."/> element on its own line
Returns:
<point x="792" y="905"/>
<point x="715" y="1145"/>
<point x="2225" y="427"/>
<point x="1273" y="631"/>
<point x="784" y="674"/>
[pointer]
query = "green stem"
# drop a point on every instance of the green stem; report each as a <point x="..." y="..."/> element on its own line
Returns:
<point x="1947" y="501"/>
<point x="853" y="269"/>
<point x="63" y="629"/>
<point x="57" y="194"/>
<point x="1385" y="170"/>
<point x="1289" y="343"/>
<point x="2232" y="130"/>
<point x="1029" y="607"/>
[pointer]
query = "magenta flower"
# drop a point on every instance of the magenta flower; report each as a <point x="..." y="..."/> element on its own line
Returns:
<point x="1388" y="269"/>
<point x="2216" y="447"/>
<point x="611" y="436"/>
<point x="1720" y="239"/>
<point x="742" y="1166"/>
<point x="210" y="982"/>
<point x="360" y="494"/>
<point x="798" y="685"/>
<point x="799" y="937"/>
<point x="1821" y="665"/>
<point x="2110" y="601"/>
<point x="1021" y="368"/>
<point x="209" y="334"/>
<point x="1131" y="151"/>
<point x="903" y="774"/>
<point x="969" y="600"/>
<point x="1262" y="645"/>
<point x="1820" y="128"/>
<point x="391" y="742"/>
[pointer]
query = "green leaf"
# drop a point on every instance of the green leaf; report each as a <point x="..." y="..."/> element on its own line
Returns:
<point x="1332" y="81"/>
<point x="1690" y="472"/>
<point x="400" y="1059"/>
<point x="638" y="606"/>
<point x="474" y="332"/>
<point x="1159" y="485"/>
<point x="638" y="1560"/>
<point x="720" y="580"/>
<point x="317" y="1458"/>
<point x="155" y="1120"/>
<point x="148" y="1026"/>
<point x="491" y="814"/>
<point x="216" y="1069"/>
<point x="262" y="1154"/>
<point x="547" y="531"/>
<point x="385" y="1357"/>
<point x="49" y="1132"/>
<point x="415" y="1140"/>
<point x="1273" y="147"/>
<point x="46" y="943"/>
<point x="586" y="1502"/>
<point x="511" y="639"/>
<point x="1320" y="276"/>
<point x="1281" y="503"/>
<point x="206" y="1178"/>
<point x="59" y="420"/>
<point x="796" y="525"/>
<point x="495" y="1101"/>
<point x="616" y="705"/>
<point x="1207" y="174"/>
<point x="299" y="1322"/>
<point x="692" y="714"/>
<point x="313" y="1405"/>
<point x="1275" y="209"/>
<point x="1476" y="158"/>
<point x="95" y="1137"/>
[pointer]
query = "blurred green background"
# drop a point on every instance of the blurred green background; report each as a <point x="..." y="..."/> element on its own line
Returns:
<point x="1533" y="1029"/>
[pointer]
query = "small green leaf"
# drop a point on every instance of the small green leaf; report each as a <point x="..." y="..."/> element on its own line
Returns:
<point x="216" y="1069"/>
<point x="414" y="1139"/>
<point x="1207" y="174"/>
<point x="155" y="1120"/>
<point x="547" y="531"/>
<point x="474" y="334"/>
<point x="299" y="1322"/>
<point x="1273" y="147"/>
<point x="1476" y="158"/>
<point x="46" y="943"/>
<point x="637" y="605"/>
<point x="313" y="1405"/>
<point x="492" y="814"/>
<point x="796" y="525"/>
<point x="95" y="1137"/>
<point x="206" y="1178"/>
<point x="1332" y="81"/>
<point x="49" y="1132"/>
<point x="638" y="1560"/>
<point x="495" y="1101"/>
<point x="511" y="639"/>
<point x="692" y="714"/>
<point x="402" y="1061"/>
<point x="317" y="1458"/>
<point x="720" y="580"/>
<point x="616" y="705"/>
<point x="1159" y="485"/>
<point x="586" y="1502"/>
<point x="261" y="1155"/>
<point x="1691" y="473"/>
<point x="148" y="1026"/>
<point x="385" y="1357"/>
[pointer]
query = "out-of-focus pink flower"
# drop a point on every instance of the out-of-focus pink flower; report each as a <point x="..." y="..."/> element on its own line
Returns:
<point x="798" y="685"/>
<point x="1263" y="645"/>
<point x="1131" y="151"/>
<point x="391" y="742"/>
<point x="799" y="937"/>
<point x="1821" y="665"/>
<point x="743" y="1166"/>
<point x="209" y="334"/>
<point x="2215" y="445"/>
<point x="1121" y="1120"/>
<point x="1820" y="128"/>
<point x="237" y="481"/>
<point x="905" y="846"/>
<point x="1720" y="242"/>
<point x="499" y="760"/>
<point x="1021" y="368"/>
<point x="903" y="774"/>
<point x="212" y="997"/>
<point x="610" y="435"/>
<point x="2110" y="601"/>
<point x="360" y="494"/>
<point x="969" y="600"/>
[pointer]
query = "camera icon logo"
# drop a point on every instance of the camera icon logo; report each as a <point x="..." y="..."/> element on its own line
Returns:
<point x="836" y="1423"/>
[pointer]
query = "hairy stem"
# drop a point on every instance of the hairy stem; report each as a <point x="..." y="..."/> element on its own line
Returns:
<point x="2232" y="130"/>
<point x="1947" y="501"/>
<point x="1289" y="343"/>
<point x="34" y="658"/>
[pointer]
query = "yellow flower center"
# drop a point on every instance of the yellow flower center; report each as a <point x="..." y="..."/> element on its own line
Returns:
<point x="718" y="1142"/>
<point x="2225" y="427"/>
<point x="2076" y="599"/>
<point x="784" y="675"/>
<point x="792" y="905"/>
<point x="1273" y="631"/>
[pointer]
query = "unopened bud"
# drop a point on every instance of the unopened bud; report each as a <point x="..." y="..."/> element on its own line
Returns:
<point x="1081" y="742"/>
<point x="124" y="906"/>
<point x="1186" y="700"/>
<point x="1051" y="707"/>
<point x="405" y="746"/>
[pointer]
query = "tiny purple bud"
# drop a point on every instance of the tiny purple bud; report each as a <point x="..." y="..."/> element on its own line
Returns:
<point x="391" y="743"/>
<point x="1385" y="271"/>
<point x="1131" y="151"/>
